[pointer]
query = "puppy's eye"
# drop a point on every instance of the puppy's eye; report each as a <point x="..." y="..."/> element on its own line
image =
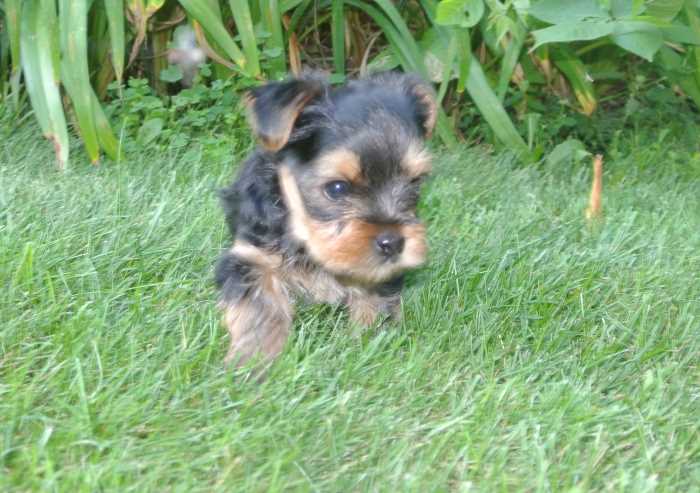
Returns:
<point x="418" y="180"/>
<point x="337" y="189"/>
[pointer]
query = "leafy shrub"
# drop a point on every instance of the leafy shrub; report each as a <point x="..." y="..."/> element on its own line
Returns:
<point x="208" y="114"/>
<point x="498" y="62"/>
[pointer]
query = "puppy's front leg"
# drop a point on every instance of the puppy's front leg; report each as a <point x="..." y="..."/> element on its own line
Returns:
<point x="255" y="301"/>
<point x="367" y="308"/>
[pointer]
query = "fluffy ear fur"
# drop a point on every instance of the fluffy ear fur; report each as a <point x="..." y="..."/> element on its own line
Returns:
<point x="274" y="108"/>
<point x="426" y="108"/>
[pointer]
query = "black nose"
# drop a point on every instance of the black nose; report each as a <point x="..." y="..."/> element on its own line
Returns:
<point x="390" y="244"/>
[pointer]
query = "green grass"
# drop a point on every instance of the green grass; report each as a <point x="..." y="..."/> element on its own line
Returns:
<point x="535" y="354"/>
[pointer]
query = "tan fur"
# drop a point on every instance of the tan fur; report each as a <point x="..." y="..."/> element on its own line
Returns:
<point x="341" y="164"/>
<point x="416" y="162"/>
<point x="259" y="324"/>
<point x="255" y="255"/>
<point x="427" y="98"/>
<point x="363" y="310"/>
<point x="315" y="285"/>
<point x="298" y="222"/>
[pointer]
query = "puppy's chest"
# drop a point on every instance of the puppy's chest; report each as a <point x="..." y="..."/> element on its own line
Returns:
<point x="314" y="284"/>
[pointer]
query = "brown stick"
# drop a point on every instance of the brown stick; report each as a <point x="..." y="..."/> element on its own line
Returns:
<point x="595" y="203"/>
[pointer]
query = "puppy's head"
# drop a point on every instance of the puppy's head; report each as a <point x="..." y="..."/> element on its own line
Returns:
<point x="351" y="162"/>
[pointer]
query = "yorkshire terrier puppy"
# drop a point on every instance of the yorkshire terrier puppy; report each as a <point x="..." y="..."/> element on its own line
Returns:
<point x="325" y="208"/>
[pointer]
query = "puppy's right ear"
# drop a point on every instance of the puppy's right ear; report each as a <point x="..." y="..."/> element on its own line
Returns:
<point x="274" y="108"/>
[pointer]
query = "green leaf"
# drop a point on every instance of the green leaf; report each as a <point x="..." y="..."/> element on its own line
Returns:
<point x="12" y="22"/>
<point x="405" y="49"/>
<point x="37" y="52"/>
<point x="287" y="5"/>
<point x="681" y="34"/>
<point x="644" y="43"/>
<point x="559" y="12"/>
<point x="272" y="18"/>
<point x="492" y="110"/>
<point x="573" y="31"/>
<point x="625" y="8"/>
<point x="566" y="152"/>
<point x="675" y="69"/>
<point x="212" y="24"/>
<point x="246" y="30"/>
<point x="594" y="29"/>
<point x="405" y="35"/>
<point x="75" y="72"/>
<point x="338" y="36"/>
<point x="104" y="131"/>
<point x="171" y="74"/>
<point x="666" y="10"/>
<point x="575" y="72"/>
<point x="463" y="13"/>
<point x="272" y="52"/>
<point x="149" y="131"/>
<point x="691" y="11"/>
<point x="510" y="59"/>
<point x="384" y="60"/>
<point x="465" y="56"/>
<point x="115" y="20"/>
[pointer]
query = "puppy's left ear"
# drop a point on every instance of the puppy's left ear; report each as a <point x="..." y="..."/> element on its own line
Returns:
<point x="426" y="103"/>
<point x="273" y="109"/>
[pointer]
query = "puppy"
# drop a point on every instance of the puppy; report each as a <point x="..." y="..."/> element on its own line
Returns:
<point x="325" y="208"/>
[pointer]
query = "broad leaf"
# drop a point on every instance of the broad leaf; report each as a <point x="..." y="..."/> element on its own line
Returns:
<point x="566" y="152"/>
<point x="664" y="9"/>
<point x="573" y="31"/>
<point x="644" y="43"/>
<point x="463" y="13"/>
<point x="149" y="131"/>
<point x="558" y="12"/>
<point x="625" y="8"/>
<point x="171" y="74"/>
<point x="681" y="34"/>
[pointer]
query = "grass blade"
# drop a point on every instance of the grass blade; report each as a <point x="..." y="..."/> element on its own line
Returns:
<point x="244" y="25"/>
<point x="37" y="57"/>
<point x="211" y="23"/>
<point x="115" y="19"/>
<point x="338" y="36"/>
<point x="75" y="72"/>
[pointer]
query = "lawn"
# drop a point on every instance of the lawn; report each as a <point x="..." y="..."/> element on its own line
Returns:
<point x="535" y="353"/>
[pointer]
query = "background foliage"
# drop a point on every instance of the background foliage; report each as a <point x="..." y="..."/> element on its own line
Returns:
<point x="114" y="70"/>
